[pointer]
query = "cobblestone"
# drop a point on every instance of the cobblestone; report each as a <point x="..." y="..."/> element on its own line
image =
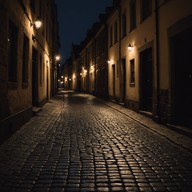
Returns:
<point x="78" y="143"/>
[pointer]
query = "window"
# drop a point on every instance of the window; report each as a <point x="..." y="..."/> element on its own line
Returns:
<point x="146" y="9"/>
<point x="12" y="52"/>
<point x="32" y="5"/>
<point x="25" y="59"/>
<point x="41" y="70"/>
<point x="43" y="73"/>
<point x="132" y="71"/>
<point x="132" y="14"/>
<point x="111" y="36"/>
<point x="41" y="9"/>
<point x="124" y="25"/>
<point x="115" y="32"/>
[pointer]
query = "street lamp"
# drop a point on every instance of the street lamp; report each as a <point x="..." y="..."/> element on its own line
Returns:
<point x="57" y="57"/>
<point x="130" y="47"/>
<point x="38" y="23"/>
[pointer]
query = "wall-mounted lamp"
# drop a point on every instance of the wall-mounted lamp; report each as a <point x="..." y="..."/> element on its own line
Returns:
<point x="130" y="47"/>
<point x="109" y="62"/>
<point x="57" y="57"/>
<point x="37" y="23"/>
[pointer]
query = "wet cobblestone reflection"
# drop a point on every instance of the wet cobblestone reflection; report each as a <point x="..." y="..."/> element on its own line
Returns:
<point x="76" y="143"/>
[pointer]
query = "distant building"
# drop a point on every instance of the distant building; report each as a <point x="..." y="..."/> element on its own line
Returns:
<point x="76" y="68"/>
<point x="145" y="48"/>
<point x="67" y="74"/>
<point x="28" y="69"/>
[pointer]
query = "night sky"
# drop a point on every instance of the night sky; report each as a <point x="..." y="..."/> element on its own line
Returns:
<point x="75" y="18"/>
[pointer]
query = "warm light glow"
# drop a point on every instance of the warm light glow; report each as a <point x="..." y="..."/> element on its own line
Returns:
<point x="85" y="72"/>
<point x="109" y="62"/>
<point x="57" y="57"/>
<point x="38" y="24"/>
<point x="62" y="77"/>
<point x="65" y="79"/>
<point x="130" y="48"/>
<point x="92" y="69"/>
<point x="74" y="75"/>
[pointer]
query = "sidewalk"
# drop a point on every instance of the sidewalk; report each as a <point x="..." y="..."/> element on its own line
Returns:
<point x="174" y="135"/>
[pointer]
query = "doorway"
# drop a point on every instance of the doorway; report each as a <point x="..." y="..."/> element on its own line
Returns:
<point x="146" y="80"/>
<point x="181" y="64"/>
<point x="47" y="80"/>
<point x="113" y="79"/>
<point x="123" y="80"/>
<point x="34" y="77"/>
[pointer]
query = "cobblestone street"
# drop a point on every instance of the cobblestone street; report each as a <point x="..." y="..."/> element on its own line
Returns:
<point x="78" y="143"/>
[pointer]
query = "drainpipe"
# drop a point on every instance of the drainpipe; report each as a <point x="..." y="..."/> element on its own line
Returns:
<point x="119" y="63"/>
<point x="158" y="113"/>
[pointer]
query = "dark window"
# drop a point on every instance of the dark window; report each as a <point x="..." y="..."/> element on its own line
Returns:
<point x="132" y="71"/>
<point x="43" y="74"/>
<point x="146" y="8"/>
<point x="43" y="20"/>
<point x="12" y="52"/>
<point x="111" y="36"/>
<point x="132" y="14"/>
<point x="41" y="70"/>
<point x="115" y="32"/>
<point x="25" y="59"/>
<point x="47" y="27"/>
<point x="124" y="25"/>
<point x="32" y="5"/>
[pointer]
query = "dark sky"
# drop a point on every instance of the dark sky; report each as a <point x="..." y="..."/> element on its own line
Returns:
<point x="75" y="17"/>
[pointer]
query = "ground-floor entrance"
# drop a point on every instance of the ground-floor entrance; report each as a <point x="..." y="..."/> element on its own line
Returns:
<point x="146" y="80"/>
<point x="181" y="79"/>
<point x="123" y="81"/>
<point x="34" y="77"/>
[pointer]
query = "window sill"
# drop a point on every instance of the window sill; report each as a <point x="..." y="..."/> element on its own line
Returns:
<point x="132" y="84"/>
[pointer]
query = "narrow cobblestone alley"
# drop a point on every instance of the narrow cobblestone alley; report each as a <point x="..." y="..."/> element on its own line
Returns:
<point x="77" y="143"/>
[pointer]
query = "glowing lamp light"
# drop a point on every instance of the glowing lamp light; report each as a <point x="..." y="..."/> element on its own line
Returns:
<point x="130" y="47"/>
<point x="57" y="57"/>
<point x="85" y="72"/>
<point x="38" y="23"/>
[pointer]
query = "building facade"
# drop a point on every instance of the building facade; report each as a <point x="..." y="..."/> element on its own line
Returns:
<point x="145" y="70"/>
<point x="93" y="59"/>
<point x="139" y="55"/>
<point x="28" y="69"/>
